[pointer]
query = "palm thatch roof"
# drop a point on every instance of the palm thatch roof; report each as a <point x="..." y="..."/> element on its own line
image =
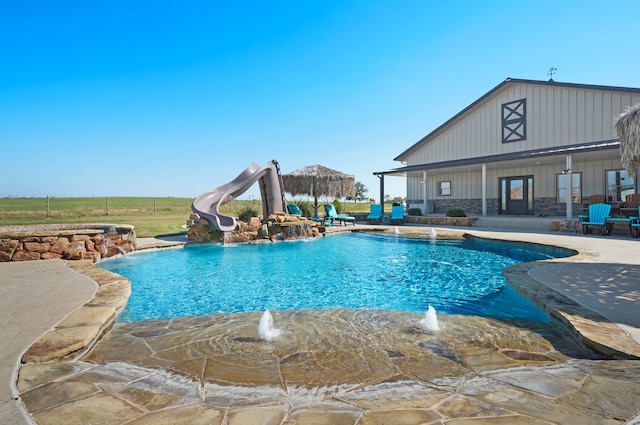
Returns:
<point x="628" y="128"/>
<point x="316" y="180"/>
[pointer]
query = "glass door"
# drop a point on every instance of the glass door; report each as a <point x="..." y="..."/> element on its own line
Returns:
<point x="516" y="195"/>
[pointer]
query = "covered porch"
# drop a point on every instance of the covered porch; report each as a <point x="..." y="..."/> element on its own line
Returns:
<point x="493" y="185"/>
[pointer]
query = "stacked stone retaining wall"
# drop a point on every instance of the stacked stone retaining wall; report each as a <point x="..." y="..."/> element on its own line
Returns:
<point x="67" y="242"/>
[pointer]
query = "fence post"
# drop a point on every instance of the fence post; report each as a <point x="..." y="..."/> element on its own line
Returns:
<point x="46" y="215"/>
<point x="154" y="205"/>
<point x="106" y="210"/>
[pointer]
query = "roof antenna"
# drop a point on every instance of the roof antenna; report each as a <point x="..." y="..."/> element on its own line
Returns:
<point x="552" y="71"/>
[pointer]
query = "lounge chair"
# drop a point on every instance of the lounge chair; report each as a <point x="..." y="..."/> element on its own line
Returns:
<point x="598" y="214"/>
<point x="342" y="219"/>
<point x="294" y="209"/>
<point x="397" y="214"/>
<point x="375" y="214"/>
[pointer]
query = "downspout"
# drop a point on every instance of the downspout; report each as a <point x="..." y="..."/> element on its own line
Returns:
<point x="424" y="192"/>
<point x="569" y="188"/>
<point x="484" y="190"/>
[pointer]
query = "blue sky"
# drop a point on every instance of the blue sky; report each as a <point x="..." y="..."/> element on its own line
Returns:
<point x="159" y="98"/>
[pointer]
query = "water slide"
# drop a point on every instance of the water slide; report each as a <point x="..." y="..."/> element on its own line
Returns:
<point x="270" y="181"/>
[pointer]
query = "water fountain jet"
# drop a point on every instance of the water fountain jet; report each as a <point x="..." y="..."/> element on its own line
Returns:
<point x="430" y="320"/>
<point x="432" y="233"/>
<point x="266" y="330"/>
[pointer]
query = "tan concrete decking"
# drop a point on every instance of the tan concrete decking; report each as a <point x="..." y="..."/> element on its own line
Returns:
<point x="604" y="276"/>
<point x="34" y="296"/>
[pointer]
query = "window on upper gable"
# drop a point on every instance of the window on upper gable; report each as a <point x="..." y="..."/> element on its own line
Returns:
<point x="514" y="121"/>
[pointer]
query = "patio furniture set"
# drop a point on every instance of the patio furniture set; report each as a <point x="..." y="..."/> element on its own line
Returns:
<point x="599" y="217"/>
<point x="376" y="215"/>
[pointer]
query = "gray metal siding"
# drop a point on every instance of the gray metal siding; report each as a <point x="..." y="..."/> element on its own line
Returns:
<point x="468" y="185"/>
<point x="556" y="116"/>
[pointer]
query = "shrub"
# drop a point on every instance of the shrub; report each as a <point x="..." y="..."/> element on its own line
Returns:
<point x="337" y="205"/>
<point x="247" y="212"/>
<point x="306" y="208"/>
<point x="414" y="211"/>
<point x="456" y="212"/>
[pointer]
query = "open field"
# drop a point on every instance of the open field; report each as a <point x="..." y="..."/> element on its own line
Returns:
<point x="150" y="216"/>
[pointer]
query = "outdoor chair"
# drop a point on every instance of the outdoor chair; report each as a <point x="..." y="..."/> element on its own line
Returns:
<point x="630" y="206"/>
<point x="397" y="214"/>
<point x="635" y="223"/>
<point x="333" y="215"/>
<point x="598" y="214"/>
<point x="375" y="214"/>
<point x="632" y="200"/>
<point x="592" y="199"/>
<point x="294" y="209"/>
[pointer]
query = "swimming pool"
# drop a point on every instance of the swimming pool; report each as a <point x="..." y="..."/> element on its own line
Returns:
<point x="352" y="271"/>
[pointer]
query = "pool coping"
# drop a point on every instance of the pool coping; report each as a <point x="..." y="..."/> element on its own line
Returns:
<point x="78" y="332"/>
<point x="590" y="328"/>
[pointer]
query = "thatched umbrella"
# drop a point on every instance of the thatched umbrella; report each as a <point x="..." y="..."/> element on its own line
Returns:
<point x="316" y="180"/>
<point x="628" y="127"/>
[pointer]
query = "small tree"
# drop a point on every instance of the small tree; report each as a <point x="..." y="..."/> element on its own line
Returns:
<point x="361" y="192"/>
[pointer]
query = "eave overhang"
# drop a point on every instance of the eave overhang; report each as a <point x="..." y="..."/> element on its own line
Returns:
<point x="512" y="156"/>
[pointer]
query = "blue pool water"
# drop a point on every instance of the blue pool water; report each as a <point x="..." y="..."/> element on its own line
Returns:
<point x="343" y="271"/>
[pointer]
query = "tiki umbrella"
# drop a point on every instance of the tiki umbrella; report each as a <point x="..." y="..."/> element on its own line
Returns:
<point x="316" y="180"/>
<point x="628" y="128"/>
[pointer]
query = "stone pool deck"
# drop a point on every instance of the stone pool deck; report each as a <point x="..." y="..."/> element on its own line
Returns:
<point x="341" y="367"/>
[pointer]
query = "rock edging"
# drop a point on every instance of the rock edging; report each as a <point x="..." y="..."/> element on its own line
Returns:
<point x="84" y="326"/>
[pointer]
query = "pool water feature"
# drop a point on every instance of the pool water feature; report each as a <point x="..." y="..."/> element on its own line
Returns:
<point x="350" y="271"/>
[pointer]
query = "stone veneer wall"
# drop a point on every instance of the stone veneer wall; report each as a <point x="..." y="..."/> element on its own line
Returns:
<point x="441" y="220"/>
<point x="68" y="242"/>
<point x="541" y="206"/>
<point x="470" y="206"/>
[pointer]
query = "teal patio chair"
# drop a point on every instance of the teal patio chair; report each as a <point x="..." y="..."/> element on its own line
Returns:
<point x="342" y="219"/>
<point x="598" y="214"/>
<point x="397" y="214"/>
<point x="635" y="223"/>
<point x="294" y="209"/>
<point x="375" y="214"/>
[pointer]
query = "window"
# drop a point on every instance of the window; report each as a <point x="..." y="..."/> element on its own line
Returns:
<point x="576" y="188"/>
<point x="619" y="185"/>
<point x="514" y="121"/>
<point x="444" y="188"/>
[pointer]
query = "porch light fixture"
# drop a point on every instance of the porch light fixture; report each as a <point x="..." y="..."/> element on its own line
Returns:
<point x="568" y="170"/>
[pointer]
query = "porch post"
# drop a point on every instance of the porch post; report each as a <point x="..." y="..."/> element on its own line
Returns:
<point x="569" y="188"/>
<point x="484" y="189"/>
<point x="381" y="177"/>
<point x="424" y="192"/>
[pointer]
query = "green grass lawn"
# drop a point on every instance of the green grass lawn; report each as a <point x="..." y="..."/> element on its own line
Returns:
<point x="150" y="216"/>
